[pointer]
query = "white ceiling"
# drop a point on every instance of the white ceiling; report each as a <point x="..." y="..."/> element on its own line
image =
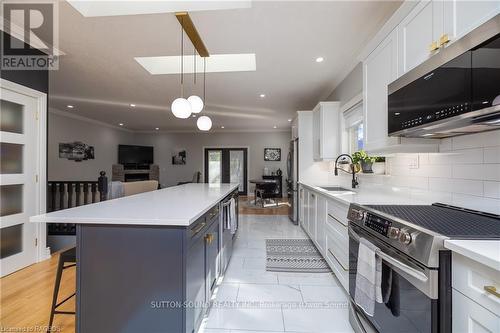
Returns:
<point x="99" y="76"/>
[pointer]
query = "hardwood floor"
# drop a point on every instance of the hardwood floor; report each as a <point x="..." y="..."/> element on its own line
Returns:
<point x="248" y="210"/>
<point x="26" y="295"/>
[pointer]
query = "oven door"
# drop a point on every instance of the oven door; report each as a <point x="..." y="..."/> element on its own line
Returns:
<point x="413" y="302"/>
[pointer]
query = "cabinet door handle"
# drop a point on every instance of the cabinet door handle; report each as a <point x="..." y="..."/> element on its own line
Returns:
<point x="209" y="238"/>
<point x="433" y="46"/>
<point x="443" y="40"/>
<point x="492" y="290"/>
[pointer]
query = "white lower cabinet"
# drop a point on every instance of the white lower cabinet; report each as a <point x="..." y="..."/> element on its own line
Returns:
<point x="311" y="225"/>
<point x="475" y="309"/>
<point x="327" y="227"/>
<point x="470" y="317"/>
<point x="320" y="223"/>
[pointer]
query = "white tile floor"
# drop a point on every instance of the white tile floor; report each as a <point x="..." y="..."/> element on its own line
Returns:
<point x="252" y="300"/>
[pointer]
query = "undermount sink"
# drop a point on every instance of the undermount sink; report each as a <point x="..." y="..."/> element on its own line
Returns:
<point x="335" y="189"/>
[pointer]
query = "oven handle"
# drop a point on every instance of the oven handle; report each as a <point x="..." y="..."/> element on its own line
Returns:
<point x="396" y="263"/>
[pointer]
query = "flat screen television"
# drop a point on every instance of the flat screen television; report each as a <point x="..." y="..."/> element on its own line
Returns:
<point x="135" y="155"/>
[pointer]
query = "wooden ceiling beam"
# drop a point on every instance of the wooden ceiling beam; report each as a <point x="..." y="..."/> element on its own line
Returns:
<point x="188" y="26"/>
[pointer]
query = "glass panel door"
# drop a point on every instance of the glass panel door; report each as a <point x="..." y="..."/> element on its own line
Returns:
<point x="237" y="168"/>
<point x="226" y="165"/>
<point x="18" y="195"/>
<point x="214" y="166"/>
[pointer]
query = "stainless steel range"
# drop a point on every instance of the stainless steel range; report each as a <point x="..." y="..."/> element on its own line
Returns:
<point x="410" y="241"/>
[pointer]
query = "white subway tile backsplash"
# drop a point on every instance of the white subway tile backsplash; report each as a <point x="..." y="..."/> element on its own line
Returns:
<point x="465" y="173"/>
<point x="468" y="171"/>
<point x="492" y="189"/>
<point x="445" y="145"/>
<point x="485" y="139"/>
<point x="491" y="172"/>
<point x="471" y="187"/>
<point x="441" y="171"/>
<point x="441" y="184"/>
<point x="492" y="154"/>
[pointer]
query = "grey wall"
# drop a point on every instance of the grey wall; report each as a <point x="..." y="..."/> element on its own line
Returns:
<point x="349" y="87"/>
<point x="105" y="140"/>
<point x="166" y="143"/>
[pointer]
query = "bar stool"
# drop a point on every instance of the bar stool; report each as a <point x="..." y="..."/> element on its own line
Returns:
<point x="67" y="256"/>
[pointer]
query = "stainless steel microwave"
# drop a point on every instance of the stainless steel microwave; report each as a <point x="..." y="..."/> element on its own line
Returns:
<point x="455" y="92"/>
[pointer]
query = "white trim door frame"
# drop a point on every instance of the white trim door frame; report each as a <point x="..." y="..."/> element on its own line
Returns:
<point x="31" y="177"/>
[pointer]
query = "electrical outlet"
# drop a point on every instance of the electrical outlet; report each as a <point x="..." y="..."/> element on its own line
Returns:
<point x="414" y="162"/>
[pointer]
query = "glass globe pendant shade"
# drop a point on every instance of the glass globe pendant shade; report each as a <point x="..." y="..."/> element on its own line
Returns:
<point x="196" y="103"/>
<point x="181" y="108"/>
<point x="204" y="123"/>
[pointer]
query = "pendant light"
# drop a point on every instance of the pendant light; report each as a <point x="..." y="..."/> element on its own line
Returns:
<point x="195" y="101"/>
<point x="204" y="123"/>
<point x="181" y="108"/>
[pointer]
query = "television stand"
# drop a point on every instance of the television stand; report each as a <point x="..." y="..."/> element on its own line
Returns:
<point x="140" y="172"/>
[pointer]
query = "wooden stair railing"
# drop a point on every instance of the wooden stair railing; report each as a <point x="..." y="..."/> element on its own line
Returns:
<point x="69" y="194"/>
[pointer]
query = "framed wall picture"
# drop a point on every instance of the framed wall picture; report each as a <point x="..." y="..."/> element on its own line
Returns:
<point x="179" y="157"/>
<point x="76" y="151"/>
<point x="272" y="154"/>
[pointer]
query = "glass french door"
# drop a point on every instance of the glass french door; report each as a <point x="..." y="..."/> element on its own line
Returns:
<point x="18" y="177"/>
<point x="227" y="165"/>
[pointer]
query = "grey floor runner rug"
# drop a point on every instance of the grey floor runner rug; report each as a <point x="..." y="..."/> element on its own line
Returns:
<point x="294" y="255"/>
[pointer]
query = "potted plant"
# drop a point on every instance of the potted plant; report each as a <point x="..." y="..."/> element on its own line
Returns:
<point x="379" y="165"/>
<point x="362" y="158"/>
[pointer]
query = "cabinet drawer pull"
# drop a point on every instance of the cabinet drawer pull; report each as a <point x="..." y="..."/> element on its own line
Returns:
<point x="492" y="290"/>
<point x="335" y="219"/>
<point x="209" y="238"/>
<point x="338" y="261"/>
<point x="443" y="39"/>
<point x="198" y="228"/>
<point x="433" y="47"/>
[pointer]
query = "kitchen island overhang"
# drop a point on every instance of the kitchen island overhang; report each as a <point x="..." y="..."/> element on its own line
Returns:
<point x="135" y="253"/>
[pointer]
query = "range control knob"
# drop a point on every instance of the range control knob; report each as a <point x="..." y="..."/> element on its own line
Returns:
<point x="394" y="232"/>
<point x="404" y="237"/>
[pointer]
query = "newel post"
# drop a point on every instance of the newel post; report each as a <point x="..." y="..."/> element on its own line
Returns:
<point x="102" y="186"/>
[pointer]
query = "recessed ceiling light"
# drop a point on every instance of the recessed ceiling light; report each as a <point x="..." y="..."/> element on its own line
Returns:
<point x="70" y="106"/>
<point x="319" y="59"/>
<point x="222" y="127"/>
<point x="157" y="128"/>
<point x="290" y="120"/>
<point x="275" y="126"/>
<point x="132" y="105"/>
<point x="121" y="124"/>
<point x="262" y="95"/>
<point x="194" y="116"/>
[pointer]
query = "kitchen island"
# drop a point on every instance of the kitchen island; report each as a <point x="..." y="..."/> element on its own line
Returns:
<point x="149" y="262"/>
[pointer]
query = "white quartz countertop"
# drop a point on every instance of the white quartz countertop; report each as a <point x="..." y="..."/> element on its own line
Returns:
<point x="173" y="206"/>
<point x="486" y="252"/>
<point x="369" y="194"/>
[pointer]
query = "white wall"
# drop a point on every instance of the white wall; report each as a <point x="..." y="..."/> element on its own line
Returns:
<point x="104" y="138"/>
<point x="351" y="86"/>
<point x="166" y="143"/>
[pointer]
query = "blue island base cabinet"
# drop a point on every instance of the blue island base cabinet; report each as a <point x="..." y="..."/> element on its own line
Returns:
<point x="145" y="278"/>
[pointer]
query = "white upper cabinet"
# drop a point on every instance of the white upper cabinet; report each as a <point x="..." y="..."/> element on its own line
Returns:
<point x="416" y="35"/>
<point x="460" y="17"/>
<point x="379" y="69"/>
<point x="434" y="24"/>
<point x="326" y="131"/>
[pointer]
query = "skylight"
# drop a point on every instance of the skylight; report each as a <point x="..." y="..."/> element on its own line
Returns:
<point x="216" y="63"/>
